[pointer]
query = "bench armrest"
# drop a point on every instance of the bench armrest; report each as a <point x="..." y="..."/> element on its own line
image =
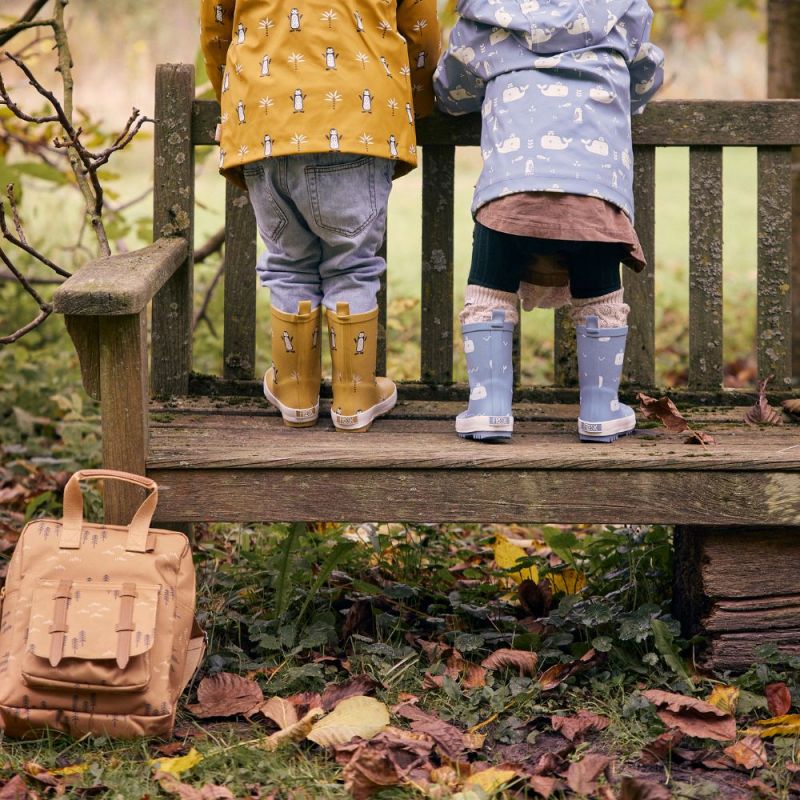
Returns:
<point x="121" y="284"/>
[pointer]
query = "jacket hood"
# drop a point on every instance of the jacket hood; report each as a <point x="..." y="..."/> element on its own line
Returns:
<point x="549" y="26"/>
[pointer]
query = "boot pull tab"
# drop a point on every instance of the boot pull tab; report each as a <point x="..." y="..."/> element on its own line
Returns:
<point x="592" y="325"/>
<point x="343" y="309"/>
<point x="303" y="307"/>
<point x="498" y="318"/>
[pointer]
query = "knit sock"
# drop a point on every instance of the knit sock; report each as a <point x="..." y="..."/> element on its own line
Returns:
<point x="533" y="296"/>
<point x="609" y="309"/>
<point x="479" y="302"/>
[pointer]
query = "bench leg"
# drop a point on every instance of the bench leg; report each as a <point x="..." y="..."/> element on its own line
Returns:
<point x="123" y="400"/>
<point x="740" y="588"/>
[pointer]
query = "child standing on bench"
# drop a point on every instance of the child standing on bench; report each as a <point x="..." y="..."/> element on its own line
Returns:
<point x="318" y="103"/>
<point x="556" y="83"/>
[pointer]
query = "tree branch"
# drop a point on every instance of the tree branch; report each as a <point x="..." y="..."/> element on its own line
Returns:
<point x="25" y="21"/>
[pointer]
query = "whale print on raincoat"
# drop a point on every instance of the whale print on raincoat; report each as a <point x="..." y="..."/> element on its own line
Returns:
<point x="556" y="82"/>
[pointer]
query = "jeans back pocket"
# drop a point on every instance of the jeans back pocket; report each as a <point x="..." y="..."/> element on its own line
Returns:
<point x="343" y="196"/>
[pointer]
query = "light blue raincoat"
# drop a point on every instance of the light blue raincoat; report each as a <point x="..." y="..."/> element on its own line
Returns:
<point x="556" y="82"/>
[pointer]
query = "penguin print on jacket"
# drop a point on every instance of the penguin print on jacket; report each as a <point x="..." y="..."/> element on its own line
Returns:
<point x="351" y="67"/>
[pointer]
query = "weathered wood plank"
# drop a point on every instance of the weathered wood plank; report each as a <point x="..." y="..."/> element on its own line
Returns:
<point x="640" y="288"/>
<point x="774" y="331"/>
<point x="470" y="496"/>
<point x="121" y="284"/>
<point x="85" y="335"/>
<point x="123" y="389"/>
<point x="173" y="215"/>
<point x="263" y="442"/>
<point x="239" y="338"/>
<point x="436" y="335"/>
<point x="681" y="123"/>
<point x="738" y="651"/>
<point x="705" y="268"/>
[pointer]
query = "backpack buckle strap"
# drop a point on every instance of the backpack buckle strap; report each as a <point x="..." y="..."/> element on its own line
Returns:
<point x="125" y="625"/>
<point x="58" y="629"/>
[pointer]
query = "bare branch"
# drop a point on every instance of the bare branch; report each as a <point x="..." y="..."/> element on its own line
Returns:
<point x="27" y="20"/>
<point x="45" y="309"/>
<point x="213" y="245"/>
<point x="201" y="313"/>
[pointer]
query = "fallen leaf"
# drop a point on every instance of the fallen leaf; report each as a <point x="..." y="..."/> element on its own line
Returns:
<point x="575" y="727"/>
<point x="583" y="776"/>
<point x="694" y="717"/>
<point x="761" y="412"/>
<point x="544" y="786"/>
<point x="179" y="765"/>
<point x="779" y="698"/>
<point x="699" y="437"/>
<point x="566" y="581"/>
<point x="15" y="789"/>
<point x="226" y="694"/>
<point x="294" y="733"/>
<point x="171" y="785"/>
<point x="280" y="711"/>
<point x="785" y="725"/>
<point x="474" y="676"/>
<point x="355" y="716"/>
<point x="664" y="410"/>
<point x="171" y="749"/>
<point x="748" y="752"/>
<point x="490" y="780"/>
<point x="72" y="769"/>
<point x="448" y="738"/>
<point x="792" y="406"/>
<point x="536" y="598"/>
<point x="639" y="789"/>
<point x="759" y="786"/>
<point x="661" y="747"/>
<point x="357" y="685"/>
<point x="523" y="660"/>
<point x="507" y="555"/>
<point x="558" y="673"/>
<point x="724" y="698"/>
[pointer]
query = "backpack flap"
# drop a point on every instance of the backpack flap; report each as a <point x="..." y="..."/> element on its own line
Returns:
<point x="91" y="636"/>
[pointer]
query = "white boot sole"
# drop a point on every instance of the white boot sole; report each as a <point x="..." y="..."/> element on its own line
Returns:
<point x="614" y="427"/>
<point x="363" y="419"/>
<point x="293" y="417"/>
<point x="485" y="424"/>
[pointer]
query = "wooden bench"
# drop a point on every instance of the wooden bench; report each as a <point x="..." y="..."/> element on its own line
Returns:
<point x="219" y="452"/>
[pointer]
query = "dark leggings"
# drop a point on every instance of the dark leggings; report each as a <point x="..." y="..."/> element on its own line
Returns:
<point x="500" y="261"/>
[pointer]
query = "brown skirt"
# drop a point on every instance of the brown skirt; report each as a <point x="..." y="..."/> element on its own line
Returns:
<point x="572" y="217"/>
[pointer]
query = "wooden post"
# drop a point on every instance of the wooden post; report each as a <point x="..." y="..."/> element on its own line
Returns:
<point x="740" y="587"/>
<point x="123" y="393"/>
<point x="173" y="215"/>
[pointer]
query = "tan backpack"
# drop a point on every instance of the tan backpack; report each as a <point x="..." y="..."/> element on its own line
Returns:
<point x="98" y="632"/>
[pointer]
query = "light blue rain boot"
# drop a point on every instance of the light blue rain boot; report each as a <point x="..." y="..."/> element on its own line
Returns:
<point x="601" y="352"/>
<point x="488" y="346"/>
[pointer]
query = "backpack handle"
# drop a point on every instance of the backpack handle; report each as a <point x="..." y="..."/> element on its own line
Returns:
<point x="72" y="523"/>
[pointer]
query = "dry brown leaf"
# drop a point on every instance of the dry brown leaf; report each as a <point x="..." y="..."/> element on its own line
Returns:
<point x="761" y="788"/>
<point x="280" y="711"/>
<point x="226" y="694"/>
<point x="523" y="660"/>
<point x="558" y="673"/>
<point x="664" y="410"/>
<point x="15" y="789"/>
<point x="171" y="785"/>
<point x="660" y="748"/>
<point x="336" y="692"/>
<point x="699" y="437"/>
<point x="692" y="716"/>
<point x="583" y="776"/>
<point x="638" y="789"/>
<point x="779" y="699"/>
<point x="749" y="752"/>
<point x="536" y="598"/>
<point x="474" y="676"/>
<point x="449" y="739"/>
<point x="792" y="407"/>
<point x="762" y="412"/>
<point x="575" y="727"/>
<point x="544" y="786"/>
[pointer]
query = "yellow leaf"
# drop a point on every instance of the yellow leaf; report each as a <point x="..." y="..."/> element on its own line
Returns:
<point x="787" y="725"/>
<point x="490" y="780"/>
<point x="724" y="698"/>
<point x="72" y="769"/>
<point x="356" y="716"/>
<point x="506" y="556"/>
<point x="568" y="581"/>
<point x="292" y="733"/>
<point x="179" y="765"/>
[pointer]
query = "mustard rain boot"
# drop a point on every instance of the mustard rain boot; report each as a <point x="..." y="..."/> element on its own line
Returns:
<point x="291" y="384"/>
<point x="358" y="396"/>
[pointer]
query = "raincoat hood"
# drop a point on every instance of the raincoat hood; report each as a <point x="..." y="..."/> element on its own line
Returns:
<point x="549" y="26"/>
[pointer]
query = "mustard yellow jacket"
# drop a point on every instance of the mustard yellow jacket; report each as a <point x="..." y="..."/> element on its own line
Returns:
<point x="314" y="76"/>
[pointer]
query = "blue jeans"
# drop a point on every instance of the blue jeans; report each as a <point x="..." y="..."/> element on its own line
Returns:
<point x="322" y="217"/>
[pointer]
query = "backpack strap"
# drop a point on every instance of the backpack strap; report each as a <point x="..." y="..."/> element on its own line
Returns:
<point x="125" y="625"/>
<point x="58" y="629"/>
<point x="194" y="653"/>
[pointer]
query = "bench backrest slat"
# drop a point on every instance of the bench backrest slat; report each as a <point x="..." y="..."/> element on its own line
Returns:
<point x="705" y="267"/>
<point x="640" y="288"/>
<point x="705" y="127"/>
<point x="774" y="339"/>
<point x="173" y="215"/>
<point x="239" y="337"/>
<point x="436" y="329"/>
